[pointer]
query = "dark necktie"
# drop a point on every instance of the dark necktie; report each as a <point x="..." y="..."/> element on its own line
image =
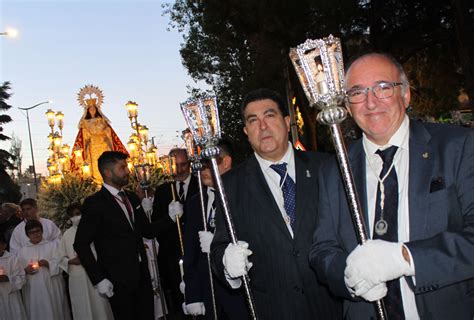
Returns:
<point x="125" y="201"/>
<point x="393" y="300"/>
<point x="288" y="187"/>
<point x="181" y="191"/>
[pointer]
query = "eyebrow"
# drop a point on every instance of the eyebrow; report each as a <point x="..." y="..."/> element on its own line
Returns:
<point x="358" y="86"/>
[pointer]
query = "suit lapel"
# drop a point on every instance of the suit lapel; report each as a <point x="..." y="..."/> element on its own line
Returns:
<point x="420" y="171"/>
<point x="257" y="184"/>
<point x="304" y="184"/>
<point x="116" y="210"/>
<point x="357" y="159"/>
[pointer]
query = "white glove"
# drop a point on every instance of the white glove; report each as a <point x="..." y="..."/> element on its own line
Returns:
<point x="147" y="204"/>
<point x="375" y="262"/>
<point x="235" y="259"/>
<point x="182" y="287"/>
<point x="175" y="209"/>
<point x="185" y="311"/>
<point x="196" y="309"/>
<point x="105" y="287"/>
<point x="205" y="238"/>
<point x="376" y="293"/>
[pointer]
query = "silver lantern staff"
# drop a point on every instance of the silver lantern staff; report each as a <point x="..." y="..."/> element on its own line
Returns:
<point x="168" y="164"/>
<point x="196" y="165"/>
<point x="320" y="69"/>
<point x="142" y="171"/>
<point x="202" y="118"/>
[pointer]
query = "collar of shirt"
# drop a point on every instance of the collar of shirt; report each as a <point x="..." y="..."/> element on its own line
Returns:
<point x="114" y="191"/>
<point x="288" y="158"/>
<point x="399" y="139"/>
<point x="185" y="186"/>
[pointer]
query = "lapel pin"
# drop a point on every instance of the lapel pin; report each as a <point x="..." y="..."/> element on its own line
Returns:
<point x="308" y="174"/>
<point x="425" y="155"/>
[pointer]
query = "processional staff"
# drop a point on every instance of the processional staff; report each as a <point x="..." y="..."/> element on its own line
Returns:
<point x="142" y="172"/>
<point x="169" y="168"/>
<point x="320" y="69"/>
<point x="202" y="118"/>
<point x="196" y="165"/>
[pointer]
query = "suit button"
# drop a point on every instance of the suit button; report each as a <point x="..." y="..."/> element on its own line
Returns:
<point x="297" y="289"/>
<point x="296" y="253"/>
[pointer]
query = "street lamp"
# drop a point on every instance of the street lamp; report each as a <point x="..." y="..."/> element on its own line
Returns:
<point x="10" y="32"/>
<point x="29" y="134"/>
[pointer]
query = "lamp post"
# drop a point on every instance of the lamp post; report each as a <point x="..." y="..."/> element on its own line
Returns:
<point x="10" y="32"/>
<point x="31" y="142"/>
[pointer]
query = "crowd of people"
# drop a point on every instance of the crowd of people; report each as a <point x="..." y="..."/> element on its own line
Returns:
<point x="297" y="243"/>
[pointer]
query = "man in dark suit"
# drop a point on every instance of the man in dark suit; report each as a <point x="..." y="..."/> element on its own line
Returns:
<point x="416" y="184"/>
<point x="115" y="223"/>
<point x="185" y="186"/>
<point x="274" y="217"/>
<point x="230" y="304"/>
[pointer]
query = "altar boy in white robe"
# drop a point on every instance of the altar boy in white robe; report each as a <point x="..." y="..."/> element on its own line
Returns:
<point x="12" y="278"/>
<point x="44" y="293"/>
<point x="86" y="301"/>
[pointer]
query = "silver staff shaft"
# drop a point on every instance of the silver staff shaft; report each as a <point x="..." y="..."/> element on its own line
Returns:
<point x="332" y="118"/>
<point x="232" y="234"/>
<point x="204" y="221"/>
<point x="156" y="269"/>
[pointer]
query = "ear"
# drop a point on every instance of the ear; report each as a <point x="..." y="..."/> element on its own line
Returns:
<point x="287" y="123"/>
<point x="407" y="97"/>
<point x="245" y="130"/>
<point x="227" y="163"/>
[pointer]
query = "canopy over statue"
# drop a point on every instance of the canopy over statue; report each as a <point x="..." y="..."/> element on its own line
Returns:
<point x="95" y="134"/>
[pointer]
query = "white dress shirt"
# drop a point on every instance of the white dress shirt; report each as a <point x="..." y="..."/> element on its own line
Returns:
<point x="211" y="196"/>
<point x="114" y="191"/>
<point x="273" y="180"/>
<point x="373" y="167"/>
<point x="185" y="187"/>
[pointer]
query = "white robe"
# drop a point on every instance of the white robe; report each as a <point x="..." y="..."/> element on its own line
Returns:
<point x="86" y="302"/>
<point x="44" y="293"/>
<point x="11" y="305"/>
<point x="19" y="239"/>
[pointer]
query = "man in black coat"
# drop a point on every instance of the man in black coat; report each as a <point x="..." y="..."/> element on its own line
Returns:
<point x="229" y="303"/>
<point x="273" y="200"/>
<point x="115" y="223"/>
<point x="185" y="186"/>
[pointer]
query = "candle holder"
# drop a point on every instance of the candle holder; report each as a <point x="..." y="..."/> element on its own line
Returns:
<point x="142" y="171"/>
<point x="34" y="265"/>
<point x="320" y="69"/>
<point x="202" y="118"/>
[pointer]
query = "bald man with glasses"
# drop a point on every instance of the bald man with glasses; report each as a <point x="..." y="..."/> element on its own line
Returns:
<point x="416" y="186"/>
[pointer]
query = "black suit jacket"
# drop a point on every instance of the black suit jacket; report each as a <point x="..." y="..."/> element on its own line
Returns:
<point x="117" y="244"/>
<point x="441" y="216"/>
<point x="282" y="282"/>
<point x="230" y="304"/>
<point x="169" y="252"/>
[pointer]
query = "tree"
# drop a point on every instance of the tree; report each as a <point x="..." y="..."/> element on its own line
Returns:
<point x="236" y="46"/>
<point x="5" y="157"/>
<point x="9" y="191"/>
<point x="17" y="157"/>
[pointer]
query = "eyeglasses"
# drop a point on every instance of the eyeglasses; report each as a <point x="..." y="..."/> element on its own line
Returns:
<point x="382" y="90"/>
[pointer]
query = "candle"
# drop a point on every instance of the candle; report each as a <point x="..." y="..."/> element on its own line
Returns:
<point x="34" y="265"/>
<point x="181" y="269"/>
<point x="321" y="80"/>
